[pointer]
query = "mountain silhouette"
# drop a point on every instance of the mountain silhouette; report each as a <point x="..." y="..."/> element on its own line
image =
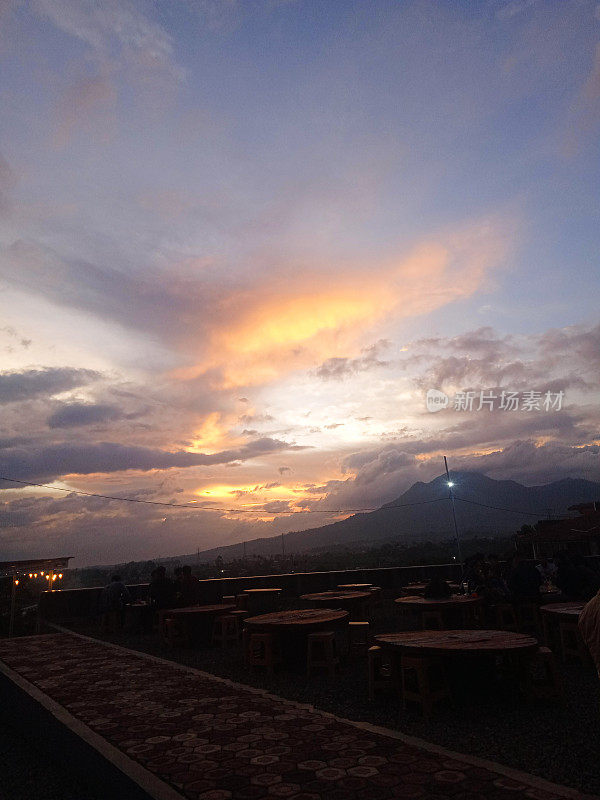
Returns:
<point x="484" y="507"/>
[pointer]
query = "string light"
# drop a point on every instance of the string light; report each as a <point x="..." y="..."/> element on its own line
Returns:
<point x="16" y="581"/>
<point x="31" y="575"/>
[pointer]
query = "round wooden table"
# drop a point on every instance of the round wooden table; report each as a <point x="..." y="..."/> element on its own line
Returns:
<point x="353" y="602"/>
<point x="292" y="628"/>
<point x="445" y="607"/>
<point x="306" y="620"/>
<point x="355" y="586"/>
<point x="555" y="613"/>
<point x="189" y="612"/>
<point x="457" y="642"/>
<point x="417" y="588"/>
<point x="570" y="610"/>
<point x="469" y="659"/>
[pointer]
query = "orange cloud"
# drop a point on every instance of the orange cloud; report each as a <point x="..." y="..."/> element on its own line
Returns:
<point x="264" y="333"/>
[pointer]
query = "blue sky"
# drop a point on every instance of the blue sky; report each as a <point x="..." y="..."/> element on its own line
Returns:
<point x="259" y="229"/>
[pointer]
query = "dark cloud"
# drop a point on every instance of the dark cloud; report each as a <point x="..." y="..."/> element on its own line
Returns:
<point x="34" y="382"/>
<point x="276" y="506"/>
<point x="340" y="368"/>
<point x="563" y="358"/>
<point x="388" y="461"/>
<point x="152" y="302"/>
<point x="530" y="463"/>
<point x="36" y="464"/>
<point x="76" y="414"/>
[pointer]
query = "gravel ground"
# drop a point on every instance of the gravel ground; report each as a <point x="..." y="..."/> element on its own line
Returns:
<point x="28" y="772"/>
<point x="539" y="737"/>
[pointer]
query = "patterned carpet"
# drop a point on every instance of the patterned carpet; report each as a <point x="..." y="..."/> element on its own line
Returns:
<point x="213" y="740"/>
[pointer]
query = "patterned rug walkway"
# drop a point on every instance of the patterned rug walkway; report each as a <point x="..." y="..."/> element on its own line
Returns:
<point x="213" y="740"/>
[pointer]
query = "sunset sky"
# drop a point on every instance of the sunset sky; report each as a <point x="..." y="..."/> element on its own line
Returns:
<point x="241" y="239"/>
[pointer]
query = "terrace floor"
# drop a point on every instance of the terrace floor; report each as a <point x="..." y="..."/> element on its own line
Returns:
<point x="194" y="735"/>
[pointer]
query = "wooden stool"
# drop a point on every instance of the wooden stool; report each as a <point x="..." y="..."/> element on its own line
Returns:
<point x="376" y="597"/>
<point x="240" y="614"/>
<point x="381" y="673"/>
<point x="358" y="637"/>
<point x="261" y="651"/>
<point x="423" y="682"/>
<point x="506" y="619"/>
<point x="175" y="633"/>
<point x="571" y="643"/>
<point x="432" y="620"/>
<point x="545" y="680"/>
<point x="321" y="652"/>
<point x="226" y="631"/>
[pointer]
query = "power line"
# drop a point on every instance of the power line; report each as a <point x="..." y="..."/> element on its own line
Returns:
<point x="212" y="508"/>
<point x="500" y="508"/>
<point x="193" y="506"/>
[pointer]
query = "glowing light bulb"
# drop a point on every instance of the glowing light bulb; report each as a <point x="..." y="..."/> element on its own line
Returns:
<point x="16" y="582"/>
<point x="35" y="575"/>
<point x="60" y="574"/>
<point x="450" y="483"/>
<point x="54" y="577"/>
<point x="31" y="575"/>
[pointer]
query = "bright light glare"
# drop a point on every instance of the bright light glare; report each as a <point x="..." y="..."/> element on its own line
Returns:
<point x="450" y="483"/>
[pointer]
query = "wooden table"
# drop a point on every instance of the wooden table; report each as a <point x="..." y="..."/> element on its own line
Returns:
<point x="417" y="588"/>
<point x="555" y="613"/>
<point x="469" y="659"/>
<point x="446" y="606"/>
<point x="198" y="620"/>
<point x="292" y="628"/>
<point x="353" y="602"/>
<point x="355" y="586"/>
<point x="306" y="620"/>
<point x="457" y="642"/>
<point x="570" y="610"/>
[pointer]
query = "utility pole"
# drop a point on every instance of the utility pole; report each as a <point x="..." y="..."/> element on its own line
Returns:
<point x="450" y="485"/>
